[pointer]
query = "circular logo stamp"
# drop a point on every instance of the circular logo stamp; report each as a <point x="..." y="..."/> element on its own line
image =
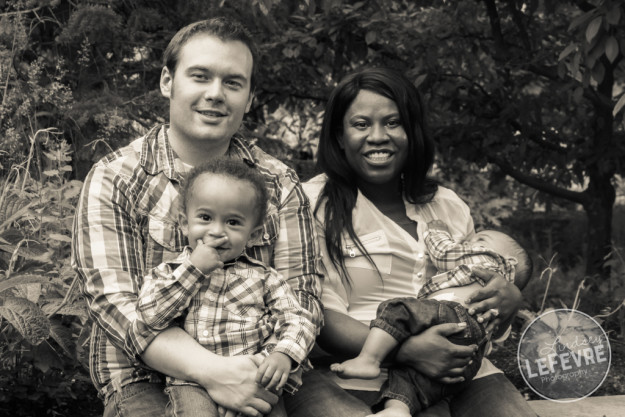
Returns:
<point x="564" y="355"/>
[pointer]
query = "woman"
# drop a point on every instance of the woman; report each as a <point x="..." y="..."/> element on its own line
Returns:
<point x="371" y="204"/>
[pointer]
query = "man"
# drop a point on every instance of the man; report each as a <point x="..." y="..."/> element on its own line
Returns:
<point x="127" y="223"/>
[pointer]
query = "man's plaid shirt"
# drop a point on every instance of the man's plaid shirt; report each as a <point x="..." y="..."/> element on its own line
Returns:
<point x="127" y="223"/>
<point x="232" y="311"/>
<point x="457" y="259"/>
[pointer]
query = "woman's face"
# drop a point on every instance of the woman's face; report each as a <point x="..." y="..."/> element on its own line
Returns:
<point x="374" y="140"/>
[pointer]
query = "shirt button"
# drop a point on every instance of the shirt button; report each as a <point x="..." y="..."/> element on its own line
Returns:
<point x="266" y="236"/>
<point x="420" y="255"/>
<point x="205" y="333"/>
<point x="419" y="275"/>
<point x="211" y="297"/>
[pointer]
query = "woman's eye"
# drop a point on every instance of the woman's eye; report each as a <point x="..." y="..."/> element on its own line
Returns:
<point x="205" y="217"/>
<point x="233" y="222"/>
<point x="393" y="123"/>
<point x="359" y="125"/>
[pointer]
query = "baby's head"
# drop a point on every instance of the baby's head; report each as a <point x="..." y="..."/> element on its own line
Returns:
<point x="223" y="198"/>
<point x="507" y="247"/>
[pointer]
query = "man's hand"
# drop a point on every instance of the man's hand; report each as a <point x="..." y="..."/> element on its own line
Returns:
<point x="274" y="371"/>
<point x="432" y="354"/>
<point x="495" y="303"/>
<point x="205" y="256"/>
<point x="240" y="393"/>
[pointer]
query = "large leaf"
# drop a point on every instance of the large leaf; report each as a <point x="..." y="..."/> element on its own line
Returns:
<point x="63" y="337"/>
<point x="31" y="292"/>
<point x="76" y="308"/>
<point x="28" y="248"/>
<point x="23" y="280"/>
<point x="27" y="318"/>
<point x="611" y="48"/>
<point x="11" y="204"/>
<point x="593" y="28"/>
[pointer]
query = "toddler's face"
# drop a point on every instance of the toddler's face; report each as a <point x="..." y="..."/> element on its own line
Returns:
<point x="221" y="206"/>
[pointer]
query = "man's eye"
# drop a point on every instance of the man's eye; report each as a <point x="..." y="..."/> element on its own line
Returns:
<point x="233" y="84"/>
<point x="199" y="77"/>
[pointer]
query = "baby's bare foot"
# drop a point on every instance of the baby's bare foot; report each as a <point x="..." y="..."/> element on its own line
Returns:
<point x="356" y="368"/>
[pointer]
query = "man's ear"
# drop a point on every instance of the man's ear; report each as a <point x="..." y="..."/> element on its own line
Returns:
<point x="184" y="223"/>
<point x="249" y="102"/>
<point x="167" y="81"/>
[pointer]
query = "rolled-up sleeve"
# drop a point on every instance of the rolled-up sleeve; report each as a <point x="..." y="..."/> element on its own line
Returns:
<point x="296" y="252"/>
<point x="107" y="253"/>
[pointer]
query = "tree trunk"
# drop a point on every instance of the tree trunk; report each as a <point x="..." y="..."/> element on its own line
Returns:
<point x="598" y="207"/>
<point x="600" y="194"/>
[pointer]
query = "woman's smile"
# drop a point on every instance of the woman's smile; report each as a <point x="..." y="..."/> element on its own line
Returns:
<point x="378" y="157"/>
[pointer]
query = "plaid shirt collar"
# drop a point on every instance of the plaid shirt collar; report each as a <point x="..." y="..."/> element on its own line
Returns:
<point x="157" y="154"/>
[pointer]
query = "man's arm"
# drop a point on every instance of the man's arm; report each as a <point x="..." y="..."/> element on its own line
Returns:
<point x="106" y="252"/>
<point x="296" y="254"/>
<point x="230" y="381"/>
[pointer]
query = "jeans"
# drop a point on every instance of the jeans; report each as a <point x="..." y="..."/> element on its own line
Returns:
<point x="194" y="401"/>
<point x="405" y="317"/>
<point x="138" y="399"/>
<point x="319" y="396"/>
<point x="489" y="396"/>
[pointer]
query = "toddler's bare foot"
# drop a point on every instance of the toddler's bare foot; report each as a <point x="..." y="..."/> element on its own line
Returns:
<point x="357" y="368"/>
<point x="393" y="408"/>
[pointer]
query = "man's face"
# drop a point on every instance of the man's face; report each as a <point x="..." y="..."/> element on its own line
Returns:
<point x="209" y="92"/>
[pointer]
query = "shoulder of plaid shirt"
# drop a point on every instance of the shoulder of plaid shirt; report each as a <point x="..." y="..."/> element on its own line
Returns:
<point x="126" y="223"/>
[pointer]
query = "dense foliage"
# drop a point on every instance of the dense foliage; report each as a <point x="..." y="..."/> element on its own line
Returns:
<point x="526" y="104"/>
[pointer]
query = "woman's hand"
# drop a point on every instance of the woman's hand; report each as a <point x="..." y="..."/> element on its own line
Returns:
<point x="497" y="302"/>
<point x="432" y="354"/>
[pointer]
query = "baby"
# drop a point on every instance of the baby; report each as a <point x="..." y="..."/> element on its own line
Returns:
<point x="439" y="301"/>
<point x="232" y="304"/>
